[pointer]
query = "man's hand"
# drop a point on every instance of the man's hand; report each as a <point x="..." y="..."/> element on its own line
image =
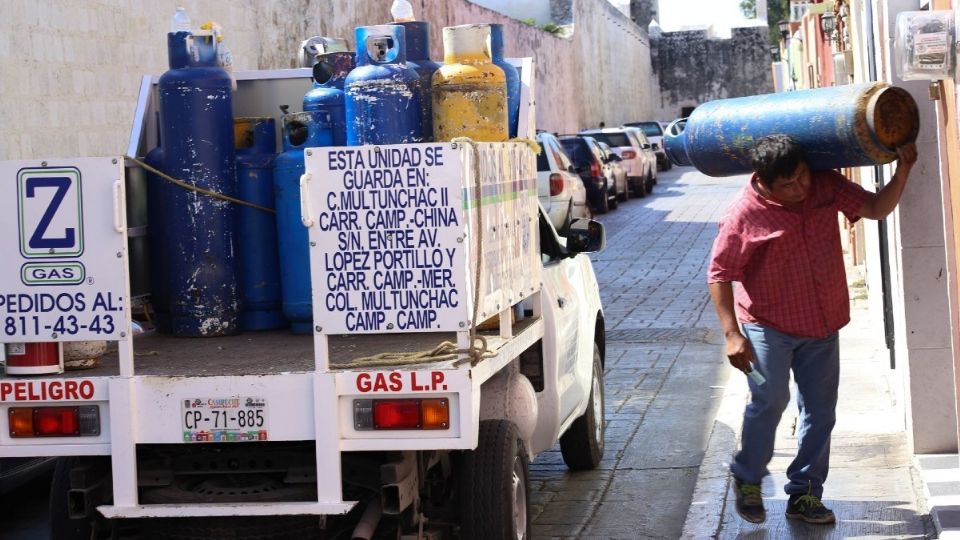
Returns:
<point x="883" y="202"/>
<point x="739" y="352"/>
<point x="907" y="155"/>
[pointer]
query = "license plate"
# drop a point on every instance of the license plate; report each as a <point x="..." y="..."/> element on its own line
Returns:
<point x="231" y="419"/>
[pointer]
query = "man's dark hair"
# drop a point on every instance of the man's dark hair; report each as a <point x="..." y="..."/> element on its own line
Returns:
<point x="775" y="156"/>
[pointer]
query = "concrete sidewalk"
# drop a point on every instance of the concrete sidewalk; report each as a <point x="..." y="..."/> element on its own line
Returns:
<point x="873" y="487"/>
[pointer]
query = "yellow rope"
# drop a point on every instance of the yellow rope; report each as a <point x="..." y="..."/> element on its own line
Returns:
<point x="444" y="351"/>
<point x="534" y="145"/>
<point x="191" y="187"/>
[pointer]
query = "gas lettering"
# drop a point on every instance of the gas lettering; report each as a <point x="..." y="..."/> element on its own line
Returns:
<point x="380" y="382"/>
<point x="397" y="381"/>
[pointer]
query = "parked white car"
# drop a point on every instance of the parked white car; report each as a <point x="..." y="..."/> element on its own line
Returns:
<point x="654" y="133"/>
<point x="649" y="155"/>
<point x="618" y="169"/>
<point x="560" y="190"/>
<point x="641" y="172"/>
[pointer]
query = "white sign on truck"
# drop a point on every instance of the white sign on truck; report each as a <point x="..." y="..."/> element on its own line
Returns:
<point x="390" y="232"/>
<point x="68" y="288"/>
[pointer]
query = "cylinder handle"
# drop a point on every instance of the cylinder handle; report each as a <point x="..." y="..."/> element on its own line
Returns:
<point x="305" y="216"/>
<point x="118" y="210"/>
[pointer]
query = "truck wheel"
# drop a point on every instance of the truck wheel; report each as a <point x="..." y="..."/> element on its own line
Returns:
<point x="582" y="444"/>
<point x="61" y="526"/>
<point x="495" y="484"/>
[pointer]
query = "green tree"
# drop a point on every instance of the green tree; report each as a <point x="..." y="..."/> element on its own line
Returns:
<point x="777" y="10"/>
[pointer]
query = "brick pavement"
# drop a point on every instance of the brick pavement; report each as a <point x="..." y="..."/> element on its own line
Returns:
<point x="663" y="370"/>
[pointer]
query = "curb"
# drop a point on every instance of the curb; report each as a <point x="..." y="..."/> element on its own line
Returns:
<point x="713" y="480"/>
<point x="940" y="479"/>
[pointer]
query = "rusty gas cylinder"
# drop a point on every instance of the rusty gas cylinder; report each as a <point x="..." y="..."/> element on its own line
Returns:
<point x="469" y="91"/>
<point x="842" y="126"/>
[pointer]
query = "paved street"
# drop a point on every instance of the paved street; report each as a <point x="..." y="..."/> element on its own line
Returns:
<point x="664" y="373"/>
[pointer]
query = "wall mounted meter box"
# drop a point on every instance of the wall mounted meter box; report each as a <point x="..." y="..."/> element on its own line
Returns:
<point x="925" y="45"/>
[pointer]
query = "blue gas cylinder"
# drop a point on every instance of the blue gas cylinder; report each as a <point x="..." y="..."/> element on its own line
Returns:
<point x="383" y="106"/>
<point x="300" y="131"/>
<point x="417" y="35"/>
<point x="326" y="96"/>
<point x="675" y="142"/>
<point x="196" y="127"/>
<point x="842" y="126"/>
<point x="513" y="77"/>
<point x="159" y="263"/>
<point x="259" y="262"/>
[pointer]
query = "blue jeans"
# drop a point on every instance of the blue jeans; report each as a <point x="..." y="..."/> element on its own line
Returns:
<point x="816" y="370"/>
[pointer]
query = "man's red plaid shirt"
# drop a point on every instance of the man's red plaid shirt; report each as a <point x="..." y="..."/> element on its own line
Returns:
<point x="789" y="263"/>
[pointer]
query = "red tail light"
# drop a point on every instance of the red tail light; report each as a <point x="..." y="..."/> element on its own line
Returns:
<point x="556" y="184"/>
<point x="628" y="154"/>
<point x="428" y="413"/>
<point x="595" y="169"/>
<point x="396" y="414"/>
<point x="54" y="421"/>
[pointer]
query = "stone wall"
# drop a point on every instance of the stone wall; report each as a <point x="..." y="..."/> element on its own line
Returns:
<point x="72" y="68"/>
<point x="693" y="68"/>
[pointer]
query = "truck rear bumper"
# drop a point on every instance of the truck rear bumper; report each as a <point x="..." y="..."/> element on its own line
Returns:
<point x="224" y="510"/>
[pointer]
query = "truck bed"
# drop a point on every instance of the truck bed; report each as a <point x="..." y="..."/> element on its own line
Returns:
<point x="265" y="353"/>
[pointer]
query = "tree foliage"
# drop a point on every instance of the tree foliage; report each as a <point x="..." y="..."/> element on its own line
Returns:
<point x="777" y="10"/>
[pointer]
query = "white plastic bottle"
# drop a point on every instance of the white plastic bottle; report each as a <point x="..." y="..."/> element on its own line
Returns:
<point x="180" y="21"/>
<point x="402" y="11"/>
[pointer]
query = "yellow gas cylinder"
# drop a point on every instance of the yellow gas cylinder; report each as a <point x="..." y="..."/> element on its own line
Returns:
<point x="469" y="91"/>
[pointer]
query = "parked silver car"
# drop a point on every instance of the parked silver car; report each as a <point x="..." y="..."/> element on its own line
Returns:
<point x="641" y="168"/>
<point x="654" y="133"/>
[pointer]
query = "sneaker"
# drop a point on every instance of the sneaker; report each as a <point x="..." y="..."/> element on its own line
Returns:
<point x="809" y="508"/>
<point x="749" y="501"/>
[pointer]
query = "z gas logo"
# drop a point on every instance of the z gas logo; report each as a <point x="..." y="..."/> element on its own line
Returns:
<point x="50" y="212"/>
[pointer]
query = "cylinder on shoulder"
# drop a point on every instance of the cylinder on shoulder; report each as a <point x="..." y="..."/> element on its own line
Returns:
<point x="842" y="126"/>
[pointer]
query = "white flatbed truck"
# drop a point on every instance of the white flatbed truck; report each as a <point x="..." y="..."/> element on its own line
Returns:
<point x="324" y="434"/>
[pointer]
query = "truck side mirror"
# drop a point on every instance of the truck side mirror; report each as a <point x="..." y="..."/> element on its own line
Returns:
<point x="586" y="236"/>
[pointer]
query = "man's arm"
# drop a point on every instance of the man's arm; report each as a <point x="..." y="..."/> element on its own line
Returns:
<point x="738" y="349"/>
<point x="884" y="201"/>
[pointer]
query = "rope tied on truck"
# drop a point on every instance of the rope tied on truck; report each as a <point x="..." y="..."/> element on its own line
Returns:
<point x="190" y="187"/>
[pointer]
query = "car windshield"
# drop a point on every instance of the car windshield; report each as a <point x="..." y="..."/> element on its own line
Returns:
<point x="612" y="139"/>
<point x="542" y="163"/>
<point x="577" y="150"/>
<point x="650" y="129"/>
